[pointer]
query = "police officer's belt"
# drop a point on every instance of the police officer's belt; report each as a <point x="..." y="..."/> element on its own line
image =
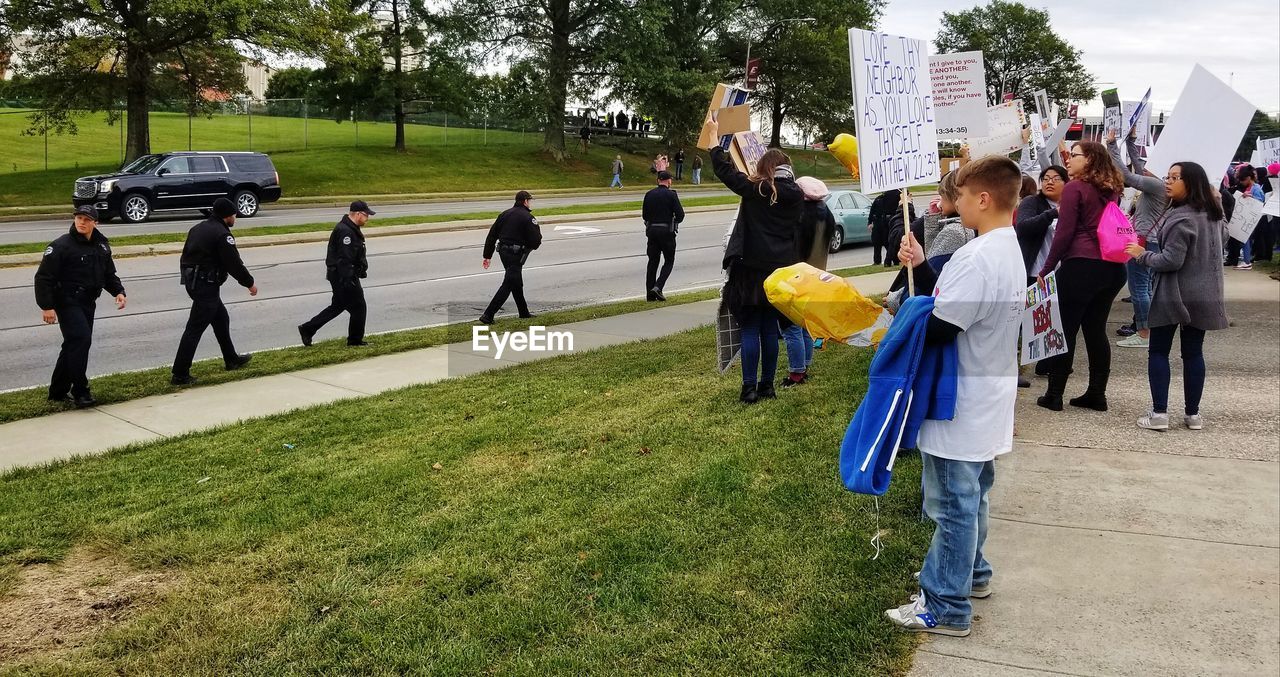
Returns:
<point x="512" y="248"/>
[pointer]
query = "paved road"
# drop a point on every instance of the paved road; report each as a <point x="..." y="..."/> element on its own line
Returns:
<point x="414" y="280"/>
<point x="45" y="230"/>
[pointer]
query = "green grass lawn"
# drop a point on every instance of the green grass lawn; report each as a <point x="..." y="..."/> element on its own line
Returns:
<point x="615" y="512"/>
<point x="332" y="164"/>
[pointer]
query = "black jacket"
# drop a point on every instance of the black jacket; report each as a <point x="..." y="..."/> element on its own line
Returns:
<point x="897" y="232"/>
<point x="662" y="206"/>
<point x="514" y="226"/>
<point x="76" y="266"/>
<point x="817" y="227"/>
<point x="1228" y="203"/>
<point x="346" y="258"/>
<point x="765" y="235"/>
<point x="883" y="209"/>
<point x="1031" y="223"/>
<point x="211" y="247"/>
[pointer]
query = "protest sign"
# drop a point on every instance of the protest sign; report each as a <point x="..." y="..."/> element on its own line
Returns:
<point x="1042" y="104"/>
<point x="1272" y="207"/>
<point x="1205" y="126"/>
<point x="1113" y="121"/>
<point x="1268" y="152"/>
<point x="747" y="149"/>
<point x="732" y="112"/>
<point x="1042" y="335"/>
<point x="1004" y="131"/>
<point x="1037" y="131"/>
<point x="959" y="94"/>
<point x="893" y="100"/>
<point x="1110" y="98"/>
<point x="1137" y="115"/>
<point x="1244" y="218"/>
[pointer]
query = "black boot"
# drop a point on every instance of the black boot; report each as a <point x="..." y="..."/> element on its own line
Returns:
<point x="765" y="390"/>
<point x="1095" y="397"/>
<point x="1052" y="398"/>
<point x="748" y="395"/>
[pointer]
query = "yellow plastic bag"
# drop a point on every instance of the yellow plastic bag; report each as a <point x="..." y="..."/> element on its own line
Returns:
<point x="827" y="305"/>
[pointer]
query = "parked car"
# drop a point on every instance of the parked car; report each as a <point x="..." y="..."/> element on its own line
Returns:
<point x="168" y="182"/>
<point x="851" y="210"/>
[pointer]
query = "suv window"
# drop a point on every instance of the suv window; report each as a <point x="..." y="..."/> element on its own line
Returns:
<point x="175" y="165"/>
<point x="206" y="164"/>
<point x="250" y="163"/>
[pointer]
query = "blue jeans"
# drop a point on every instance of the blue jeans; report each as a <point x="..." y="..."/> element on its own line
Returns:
<point x="955" y="498"/>
<point x="760" y="345"/>
<point x="1193" y="369"/>
<point x="697" y="177"/>
<point x="617" y="181"/>
<point x="799" y="348"/>
<point x="1246" y="251"/>
<point x="1140" y="284"/>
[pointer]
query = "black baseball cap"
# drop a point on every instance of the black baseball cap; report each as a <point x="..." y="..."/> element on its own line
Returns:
<point x="664" y="175"/>
<point x="523" y="195"/>
<point x="86" y="210"/>
<point x="361" y="206"/>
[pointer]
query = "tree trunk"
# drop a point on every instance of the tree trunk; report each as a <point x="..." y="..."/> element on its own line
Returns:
<point x="775" y="139"/>
<point x="558" y="68"/>
<point x="397" y="49"/>
<point x="138" y="76"/>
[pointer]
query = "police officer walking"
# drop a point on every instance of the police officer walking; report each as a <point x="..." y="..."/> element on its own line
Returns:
<point x="208" y="257"/>
<point x="662" y="215"/>
<point x="347" y="265"/>
<point x="514" y="235"/>
<point x="75" y="269"/>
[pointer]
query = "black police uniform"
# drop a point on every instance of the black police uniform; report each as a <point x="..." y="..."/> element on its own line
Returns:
<point x="71" y="276"/>
<point x="514" y="235"/>
<point x="662" y="215"/>
<point x="347" y="264"/>
<point x="208" y="257"/>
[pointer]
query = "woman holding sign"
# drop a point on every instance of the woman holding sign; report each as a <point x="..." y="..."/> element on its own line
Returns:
<point x="1189" y="290"/>
<point x="1087" y="284"/>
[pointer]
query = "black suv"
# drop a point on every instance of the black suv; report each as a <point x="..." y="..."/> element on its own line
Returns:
<point x="178" y="181"/>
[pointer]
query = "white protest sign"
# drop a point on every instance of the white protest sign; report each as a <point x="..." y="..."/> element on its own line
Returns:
<point x="1205" y="126"/>
<point x="1244" y="218"/>
<point x="1113" y="121"/>
<point x="1268" y="152"/>
<point x="959" y="94"/>
<point x="1137" y="115"/>
<point x="1037" y="131"/>
<point x="1042" y="103"/>
<point x="1042" y="335"/>
<point x="1272" y="207"/>
<point x="893" y="98"/>
<point x="1004" y="131"/>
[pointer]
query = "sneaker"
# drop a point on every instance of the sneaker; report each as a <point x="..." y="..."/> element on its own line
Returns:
<point x="1126" y="330"/>
<point x="1154" y="421"/>
<point x="916" y="617"/>
<point x="1193" y="421"/>
<point x="1134" y="341"/>
<point x="794" y="379"/>
<point x="1245" y="266"/>
<point x="977" y="591"/>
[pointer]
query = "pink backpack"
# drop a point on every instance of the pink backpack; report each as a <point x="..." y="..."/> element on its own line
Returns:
<point x="1114" y="234"/>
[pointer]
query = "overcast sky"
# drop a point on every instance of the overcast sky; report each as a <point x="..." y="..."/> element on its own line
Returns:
<point x="1137" y="44"/>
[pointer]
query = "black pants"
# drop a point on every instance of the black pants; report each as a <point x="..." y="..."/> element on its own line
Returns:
<point x="1086" y="290"/>
<point x="1264" y="239"/>
<point x="660" y="246"/>
<point x="206" y="310"/>
<point x="348" y="296"/>
<point x="879" y="240"/>
<point x="1234" y="248"/>
<point x="75" y="319"/>
<point x="512" y="285"/>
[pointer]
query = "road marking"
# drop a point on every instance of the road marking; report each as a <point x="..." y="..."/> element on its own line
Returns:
<point x="576" y="230"/>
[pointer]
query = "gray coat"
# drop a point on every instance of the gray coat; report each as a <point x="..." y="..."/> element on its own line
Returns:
<point x="1188" y="284"/>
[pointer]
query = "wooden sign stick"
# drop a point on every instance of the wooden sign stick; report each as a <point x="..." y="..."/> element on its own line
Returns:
<point x="906" y="233"/>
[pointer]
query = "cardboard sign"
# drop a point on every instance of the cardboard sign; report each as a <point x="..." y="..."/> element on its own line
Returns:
<point x="1042" y="104"/>
<point x="959" y="94"/>
<point x="1205" y="127"/>
<point x="1137" y="115"/>
<point x="1004" y="131"/>
<point x="1268" y="152"/>
<point x="732" y="113"/>
<point x="1244" y="218"/>
<point x="1113" y="121"/>
<point x="1042" y="335"/>
<point x="1037" y="131"/>
<point x="893" y="101"/>
<point x="749" y="147"/>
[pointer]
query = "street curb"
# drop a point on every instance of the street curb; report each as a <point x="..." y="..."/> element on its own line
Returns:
<point x="133" y="251"/>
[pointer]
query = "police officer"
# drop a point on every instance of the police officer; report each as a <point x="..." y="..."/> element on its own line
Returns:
<point x="662" y="215"/>
<point x="75" y="269"/>
<point x="514" y="235"/>
<point x="347" y="265"/>
<point x="208" y="257"/>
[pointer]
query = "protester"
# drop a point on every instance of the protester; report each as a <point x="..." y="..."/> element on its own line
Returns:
<point x="1150" y="205"/>
<point x="514" y="235"/>
<point x="1249" y="190"/>
<point x="697" y="169"/>
<point x="1037" y="219"/>
<point x="661" y="163"/>
<point x="942" y="234"/>
<point x="617" y="172"/>
<point x="817" y="227"/>
<point x="978" y="304"/>
<point x="662" y="214"/>
<point x="1189" y="291"/>
<point x="1087" y="284"/>
<point x="897" y="230"/>
<point x="1264" y="237"/>
<point x="763" y="240"/>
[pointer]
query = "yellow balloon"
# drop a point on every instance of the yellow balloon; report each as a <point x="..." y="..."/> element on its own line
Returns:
<point x="845" y="148"/>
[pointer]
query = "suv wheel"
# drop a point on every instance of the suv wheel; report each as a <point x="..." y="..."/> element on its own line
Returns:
<point x="135" y="208"/>
<point x="837" y="240"/>
<point x="246" y="203"/>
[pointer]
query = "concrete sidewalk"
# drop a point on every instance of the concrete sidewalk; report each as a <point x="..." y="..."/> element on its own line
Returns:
<point x="1120" y="551"/>
<point x="94" y="431"/>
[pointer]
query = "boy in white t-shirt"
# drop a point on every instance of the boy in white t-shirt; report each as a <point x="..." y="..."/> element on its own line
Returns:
<point x="978" y="302"/>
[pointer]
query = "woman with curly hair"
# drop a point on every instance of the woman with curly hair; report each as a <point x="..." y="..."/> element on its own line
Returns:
<point x="1087" y="284"/>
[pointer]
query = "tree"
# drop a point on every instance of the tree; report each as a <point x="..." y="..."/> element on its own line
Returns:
<point x="88" y="54"/>
<point x="1020" y="50"/>
<point x="1262" y="126"/>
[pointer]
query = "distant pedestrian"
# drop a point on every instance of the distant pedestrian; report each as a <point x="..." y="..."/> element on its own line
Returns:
<point x="661" y="163"/>
<point x="345" y="265"/>
<point x="662" y="214"/>
<point x="617" y="172"/>
<point x="513" y="235"/>
<point x="697" y="169"/>
<point x="1249" y="190"/>
<point x="584" y="137"/>
<point x="75" y="269"/>
<point x="680" y="165"/>
<point x="208" y="258"/>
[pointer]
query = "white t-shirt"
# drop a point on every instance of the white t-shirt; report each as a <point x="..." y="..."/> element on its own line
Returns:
<point x="982" y="290"/>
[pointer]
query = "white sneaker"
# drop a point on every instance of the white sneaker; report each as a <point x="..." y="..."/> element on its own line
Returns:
<point x="1245" y="266"/>
<point x="1193" y="421"/>
<point x="1154" y="421"/>
<point x="1135" y="341"/>
<point x="916" y="617"/>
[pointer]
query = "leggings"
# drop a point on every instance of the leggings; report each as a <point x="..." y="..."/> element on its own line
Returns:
<point x="1086" y="290"/>
<point x="1192" y="367"/>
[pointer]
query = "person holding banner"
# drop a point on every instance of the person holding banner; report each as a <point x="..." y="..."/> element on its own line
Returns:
<point x="1087" y="284"/>
<point x="1189" y="291"/>
<point x="1149" y="206"/>
<point x="1249" y="189"/>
